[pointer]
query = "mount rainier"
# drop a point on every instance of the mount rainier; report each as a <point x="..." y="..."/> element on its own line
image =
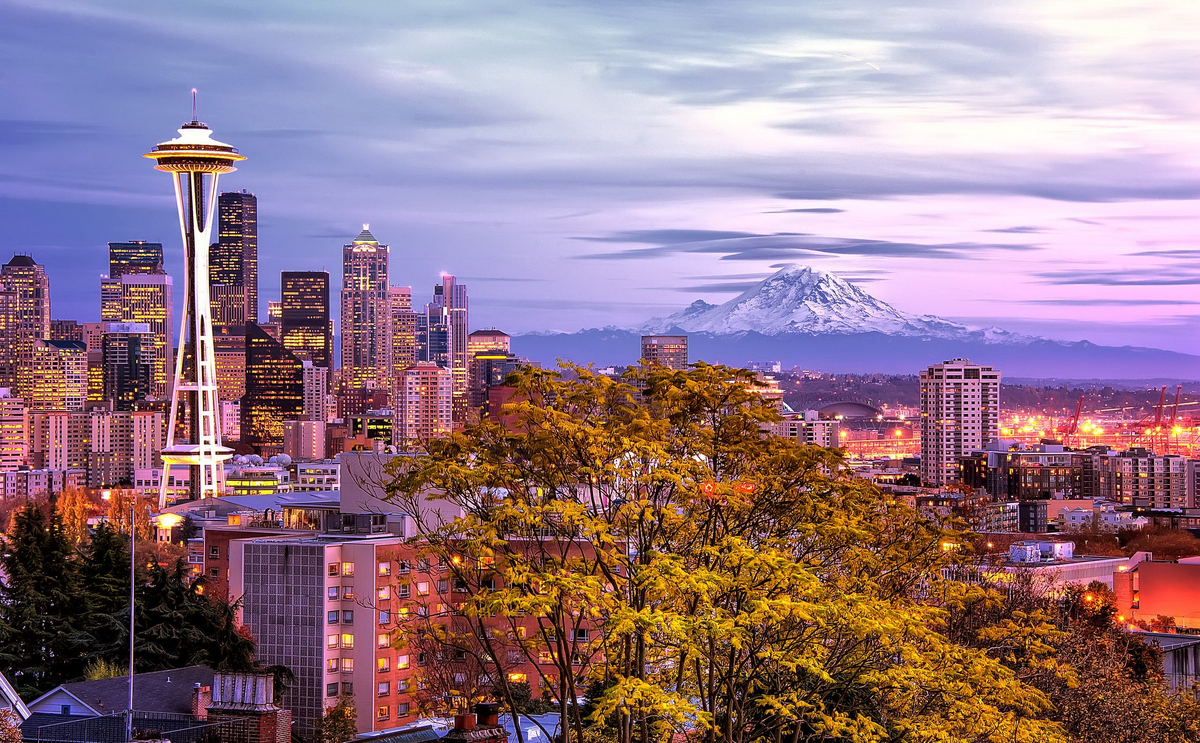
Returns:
<point x="815" y="320"/>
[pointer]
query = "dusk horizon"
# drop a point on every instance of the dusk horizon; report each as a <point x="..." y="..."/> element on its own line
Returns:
<point x="580" y="168"/>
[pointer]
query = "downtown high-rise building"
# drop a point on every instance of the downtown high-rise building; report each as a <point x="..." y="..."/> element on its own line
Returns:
<point x="233" y="260"/>
<point x="448" y="330"/>
<point x="129" y="361"/>
<point x="145" y="298"/>
<point x="423" y="411"/>
<point x="24" y="320"/>
<point x="404" y="334"/>
<point x="305" y="327"/>
<point x="960" y="413"/>
<point x="366" y="317"/>
<point x="14" y="437"/>
<point x="134" y="257"/>
<point x="57" y="378"/>
<point x="274" y="390"/>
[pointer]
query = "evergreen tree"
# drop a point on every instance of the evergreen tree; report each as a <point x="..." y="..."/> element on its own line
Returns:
<point x="41" y="601"/>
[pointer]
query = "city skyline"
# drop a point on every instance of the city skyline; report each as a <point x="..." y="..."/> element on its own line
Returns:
<point x="662" y="155"/>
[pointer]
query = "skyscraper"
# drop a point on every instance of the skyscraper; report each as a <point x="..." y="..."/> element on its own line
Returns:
<point x="424" y="409"/>
<point x="305" y="329"/>
<point x="130" y="363"/>
<point x="274" y="390"/>
<point x="448" y="315"/>
<point x="233" y="264"/>
<point x="195" y="161"/>
<point x="58" y="376"/>
<point x="145" y="298"/>
<point x="404" y="334"/>
<point x="24" y="320"/>
<point x="670" y="351"/>
<point x="316" y="390"/>
<point x="366" y="319"/>
<point x="134" y="257"/>
<point x="960" y="413"/>
<point x="14" y="440"/>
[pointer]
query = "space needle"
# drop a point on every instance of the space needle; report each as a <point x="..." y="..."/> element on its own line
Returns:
<point x="196" y="161"/>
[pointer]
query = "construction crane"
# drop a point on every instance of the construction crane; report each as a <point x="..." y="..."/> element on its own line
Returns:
<point x="1073" y="426"/>
<point x="1174" y="416"/>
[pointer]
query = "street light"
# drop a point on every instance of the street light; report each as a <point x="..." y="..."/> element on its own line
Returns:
<point x="107" y="495"/>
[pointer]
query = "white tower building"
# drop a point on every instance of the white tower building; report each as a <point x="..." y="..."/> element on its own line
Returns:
<point x="195" y="160"/>
<point x="960" y="413"/>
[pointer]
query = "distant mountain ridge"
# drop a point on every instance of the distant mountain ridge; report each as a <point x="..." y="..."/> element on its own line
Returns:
<point x="800" y="299"/>
<point x="816" y="320"/>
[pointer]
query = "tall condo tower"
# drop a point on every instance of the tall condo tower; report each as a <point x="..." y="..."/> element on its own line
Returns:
<point x="366" y="319"/>
<point x="960" y="413"/>
<point x="195" y="160"/>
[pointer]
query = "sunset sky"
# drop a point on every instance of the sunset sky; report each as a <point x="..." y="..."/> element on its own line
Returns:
<point x="1027" y="164"/>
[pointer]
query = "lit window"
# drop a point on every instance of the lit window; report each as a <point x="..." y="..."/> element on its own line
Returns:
<point x="347" y="665"/>
<point x="384" y="641"/>
<point x="385" y="569"/>
<point x="383" y="712"/>
<point x="401" y="662"/>
<point x="332" y="641"/>
<point x="331" y="665"/>
<point x="333" y="568"/>
<point x="347" y="568"/>
<point x="423" y="588"/>
<point x="348" y="641"/>
<point x="518" y="678"/>
<point x="384" y="664"/>
<point x="385" y="593"/>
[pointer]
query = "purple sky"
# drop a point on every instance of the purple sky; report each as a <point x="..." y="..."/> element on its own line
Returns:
<point x="1027" y="164"/>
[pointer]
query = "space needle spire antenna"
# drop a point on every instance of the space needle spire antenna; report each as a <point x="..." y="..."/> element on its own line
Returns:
<point x="195" y="161"/>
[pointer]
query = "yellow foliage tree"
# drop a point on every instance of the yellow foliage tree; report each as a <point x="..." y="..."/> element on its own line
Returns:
<point x="702" y="577"/>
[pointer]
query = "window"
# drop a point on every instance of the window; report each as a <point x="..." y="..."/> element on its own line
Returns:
<point x="423" y="588"/>
<point x="384" y="641"/>
<point x="215" y="572"/>
<point x="385" y="617"/>
<point x="422" y="610"/>
<point x="347" y="568"/>
<point x="401" y="662"/>
<point x="402" y="566"/>
<point x="347" y="665"/>
<point x="331" y="641"/>
<point x="443" y="585"/>
<point x="384" y="665"/>
<point x="385" y="688"/>
<point x="423" y="564"/>
<point x="333" y="569"/>
<point x="385" y="593"/>
<point x="348" y="688"/>
<point x="331" y="689"/>
<point x="545" y="657"/>
<point x="385" y="569"/>
<point x="64" y="709"/>
<point x="331" y="665"/>
<point x="514" y="657"/>
<point x="402" y="590"/>
<point x="333" y="593"/>
<point x="333" y="616"/>
<point x="518" y="678"/>
<point x="348" y="593"/>
<point x="348" y="616"/>
<point x="422" y="659"/>
<point x="460" y="586"/>
<point x="348" y="641"/>
<point x="402" y="709"/>
<point x="383" y="712"/>
<point x="214" y="552"/>
<point x="402" y="685"/>
<point x="581" y="635"/>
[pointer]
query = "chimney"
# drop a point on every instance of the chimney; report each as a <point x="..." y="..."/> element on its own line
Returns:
<point x="201" y="698"/>
<point x="482" y="727"/>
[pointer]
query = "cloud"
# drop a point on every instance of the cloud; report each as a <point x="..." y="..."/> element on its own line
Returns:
<point x="743" y="246"/>
<point x="1118" y="277"/>
<point x="720" y="287"/>
<point x="1023" y="230"/>
<point x="1111" y="302"/>
<point x="809" y="210"/>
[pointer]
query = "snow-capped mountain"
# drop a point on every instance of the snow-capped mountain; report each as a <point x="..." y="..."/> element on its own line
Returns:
<point x="803" y="300"/>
